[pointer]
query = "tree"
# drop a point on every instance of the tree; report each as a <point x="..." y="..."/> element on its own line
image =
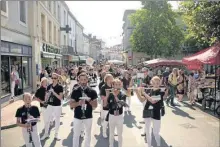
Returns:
<point x="203" y="23"/>
<point x="155" y="30"/>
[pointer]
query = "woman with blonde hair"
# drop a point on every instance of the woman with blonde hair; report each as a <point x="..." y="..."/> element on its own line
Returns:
<point x="153" y="109"/>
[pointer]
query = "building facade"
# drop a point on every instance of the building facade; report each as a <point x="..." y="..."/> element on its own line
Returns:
<point x="86" y="46"/>
<point x="129" y="56"/>
<point x="80" y="42"/>
<point x="16" y="47"/>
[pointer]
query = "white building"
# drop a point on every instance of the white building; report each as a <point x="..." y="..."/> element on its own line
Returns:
<point x="86" y="46"/>
<point x="16" y="45"/>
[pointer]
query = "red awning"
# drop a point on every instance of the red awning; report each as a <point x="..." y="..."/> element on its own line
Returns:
<point x="210" y="56"/>
<point x="163" y="62"/>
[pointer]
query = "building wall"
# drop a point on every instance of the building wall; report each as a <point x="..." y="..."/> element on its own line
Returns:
<point x="79" y="38"/>
<point x="63" y="22"/>
<point x="86" y="45"/>
<point x="12" y="29"/>
<point x="71" y="35"/>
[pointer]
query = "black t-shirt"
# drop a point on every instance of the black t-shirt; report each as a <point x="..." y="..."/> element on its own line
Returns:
<point x="22" y="113"/>
<point x="126" y="83"/>
<point x="53" y="100"/>
<point x="117" y="74"/>
<point x="42" y="75"/>
<point x="112" y="103"/>
<point x="76" y="94"/>
<point x="147" y="80"/>
<point x="101" y="84"/>
<point x="103" y="93"/>
<point x="93" y="75"/>
<point x="166" y="77"/>
<point x="157" y="106"/>
<point x="40" y="93"/>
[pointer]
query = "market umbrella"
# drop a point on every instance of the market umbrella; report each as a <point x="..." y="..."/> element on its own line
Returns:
<point x="163" y="62"/>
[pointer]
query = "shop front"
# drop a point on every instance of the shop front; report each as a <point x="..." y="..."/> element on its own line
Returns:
<point x="19" y="56"/>
<point x="82" y="59"/>
<point x="51" y="56"/>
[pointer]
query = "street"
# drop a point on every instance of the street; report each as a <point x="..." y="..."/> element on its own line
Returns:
<point x="183" y="126"/>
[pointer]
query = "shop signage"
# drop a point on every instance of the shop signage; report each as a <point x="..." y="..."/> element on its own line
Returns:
<point x="50" y="49"/>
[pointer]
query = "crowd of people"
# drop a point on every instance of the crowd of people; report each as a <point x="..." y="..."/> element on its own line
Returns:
<point x="117" y="83"/>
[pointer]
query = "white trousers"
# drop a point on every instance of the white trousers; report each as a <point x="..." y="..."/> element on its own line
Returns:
<point x="35" y="137"/>
<point x="101" y="110"/>
<point x="50" y="112"/>
<point x="156" y="130"/>
<point x="115" y="122"/>
<point x="44" y="114"/>
<point x="12" y="88"/>
<point x="128" y="100"/>
<point x="105" y="123"/>
<point x="77" y="127"/>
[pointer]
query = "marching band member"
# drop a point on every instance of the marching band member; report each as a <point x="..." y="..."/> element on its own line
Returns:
<point x="116" y="117"/>
<point x="55" y="94"/>
<point x="29" y="130"/>
<point x="104" y="95"/>
<point x="40" y="97"/>
<point x="127" y="82"/>
<point x="153" y="110"/>
<point x="102" y="82"/>
<point x="83" y="109"/>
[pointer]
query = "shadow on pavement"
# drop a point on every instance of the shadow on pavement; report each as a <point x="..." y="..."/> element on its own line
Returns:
<point x="180" y="112"/>
<point x="68" y="141"/>
<point x="101" y="142"/>
<point x="99" y="121"/>
<point x="129" y="120"/>
<point x="188" y="105"/>
<point x="154" y="143"/>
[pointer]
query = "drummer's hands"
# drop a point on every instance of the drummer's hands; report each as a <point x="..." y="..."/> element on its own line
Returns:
<point x="81" y="102"/>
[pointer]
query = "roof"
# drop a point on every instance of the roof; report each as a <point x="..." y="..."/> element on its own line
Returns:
<point x="72" y="16"/>
<point x="128" y="12"/>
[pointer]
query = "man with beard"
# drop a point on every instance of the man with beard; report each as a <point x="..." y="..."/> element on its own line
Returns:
<point x="83" y="109"/>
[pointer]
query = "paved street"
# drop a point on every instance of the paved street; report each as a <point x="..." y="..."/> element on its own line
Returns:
<point x="181" y="127"/>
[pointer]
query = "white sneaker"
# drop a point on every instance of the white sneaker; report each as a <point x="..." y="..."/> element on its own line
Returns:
<point x="104" y="135"/>
<point x="56" y="136"/>
<point x="45" y="136"/>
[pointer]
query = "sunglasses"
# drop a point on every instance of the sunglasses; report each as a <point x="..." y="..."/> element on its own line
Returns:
<point x="53" y="78"/>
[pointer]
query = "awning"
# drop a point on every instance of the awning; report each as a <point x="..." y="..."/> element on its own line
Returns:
<point x="163" y="62"/>
<point x="51" y="55"/>
<point x="73" y="58"/>
<point x="82" y="58"/>
<point x="209" y="56"/>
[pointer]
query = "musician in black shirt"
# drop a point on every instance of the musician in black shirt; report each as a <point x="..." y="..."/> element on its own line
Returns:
<point x="153" y="109"/>
<point x="83" y="109"/>
<point x="55" y="95"/>
<point x="116" y="117"/>
<point x="40" y="97"/>
<point x="105" y="90"/>
<point x="27" y="111"/>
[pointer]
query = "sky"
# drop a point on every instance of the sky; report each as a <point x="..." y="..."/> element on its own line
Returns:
<point x="104" y="18"/>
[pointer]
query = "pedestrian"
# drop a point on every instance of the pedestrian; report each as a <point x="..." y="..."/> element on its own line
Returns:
<point x="116" y="117"/>
<point x="55" y="95"/>
<point x="153" y="110"/>
<point x="27" y="111"/>
<point x="180" y="85"/>
<point x="83" y="109"/>
<point x="40" y="97"/>
<point x="172" y="82"/>
<point x="105" y="90"/>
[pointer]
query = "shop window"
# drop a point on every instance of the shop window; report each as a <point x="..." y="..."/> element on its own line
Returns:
<point x="4" y="47"/>
<point x="5" y="76"/>
<point x="25" y="72"/>
<point x="25" y="50"/>
<point x="17" y="63"/>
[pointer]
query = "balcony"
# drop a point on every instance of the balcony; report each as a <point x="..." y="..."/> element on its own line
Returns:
<point x="68" y="50"/>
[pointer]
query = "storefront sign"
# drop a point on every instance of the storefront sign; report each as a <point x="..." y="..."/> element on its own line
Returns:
<point x="50" y="49"/>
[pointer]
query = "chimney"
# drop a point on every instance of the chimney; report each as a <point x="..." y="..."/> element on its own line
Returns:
<point x="90" y="35"/>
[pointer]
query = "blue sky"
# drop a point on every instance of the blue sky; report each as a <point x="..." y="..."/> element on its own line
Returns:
<point x="104" y="18"/>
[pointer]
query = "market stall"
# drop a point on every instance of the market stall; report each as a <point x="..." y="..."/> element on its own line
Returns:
<point x="209" y="56"/>
<point x="116" y="62"/>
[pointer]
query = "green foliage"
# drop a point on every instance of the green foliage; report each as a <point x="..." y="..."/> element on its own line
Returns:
<point x="203" y="22"/>
<point x="156" y="32"/>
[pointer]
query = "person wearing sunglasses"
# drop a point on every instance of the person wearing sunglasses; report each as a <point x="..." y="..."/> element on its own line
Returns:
<point x="55" y="95"/>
